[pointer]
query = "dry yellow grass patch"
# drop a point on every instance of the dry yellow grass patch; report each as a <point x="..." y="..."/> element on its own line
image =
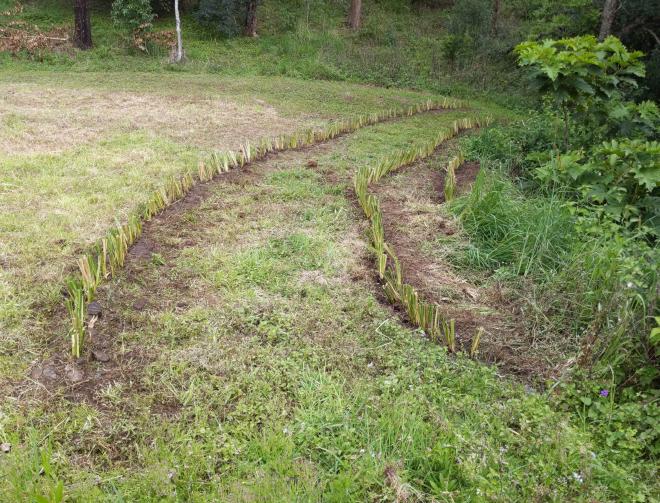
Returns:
<point x="39" y="119"/>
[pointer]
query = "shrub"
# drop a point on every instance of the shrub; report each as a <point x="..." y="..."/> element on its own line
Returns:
<point x="226" y="17"/>
<point x="633" y="120"/>
<point x="621" y="179"/>
<point x="455" y="46"/>
<point x="580" y="74"/>
<point x="134" y="17"/>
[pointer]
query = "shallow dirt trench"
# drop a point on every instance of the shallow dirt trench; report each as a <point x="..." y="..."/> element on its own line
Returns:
<point x="414" y="217"/>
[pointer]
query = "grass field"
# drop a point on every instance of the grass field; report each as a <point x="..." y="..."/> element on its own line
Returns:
<point x="247" y="351"/>
<point x="80" y="151"/>
<point x="250" y="359"/>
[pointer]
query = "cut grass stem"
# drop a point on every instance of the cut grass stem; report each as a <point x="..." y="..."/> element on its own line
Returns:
<point x="425" y="315"/>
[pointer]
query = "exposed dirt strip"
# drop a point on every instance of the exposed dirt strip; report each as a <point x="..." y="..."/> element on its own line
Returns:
<point x="411" y="200"/>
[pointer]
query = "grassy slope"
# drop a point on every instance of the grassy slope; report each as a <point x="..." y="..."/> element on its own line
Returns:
<point x="268" y="371"/>
<point x="396" y="47"/>
<point x="56" y="204"/>
<point x="318" y="388"/>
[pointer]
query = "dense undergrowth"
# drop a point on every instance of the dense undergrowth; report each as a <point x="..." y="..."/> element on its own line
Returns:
<point x="571" y="228"/>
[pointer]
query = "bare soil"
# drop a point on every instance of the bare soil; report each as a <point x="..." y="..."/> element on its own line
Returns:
<point x="413" y="216"/>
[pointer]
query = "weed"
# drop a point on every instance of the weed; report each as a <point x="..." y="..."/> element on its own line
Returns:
<point x="76" y="306"/>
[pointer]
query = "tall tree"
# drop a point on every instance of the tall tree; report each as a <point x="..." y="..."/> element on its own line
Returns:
<point x="607" y="19"/>
<point x="355" y="16"/>
<point x="251" y="19"/>
<point x="82" y="32"/>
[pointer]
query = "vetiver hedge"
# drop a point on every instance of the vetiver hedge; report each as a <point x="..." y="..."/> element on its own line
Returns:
<point x="109" y="254"/>
<point x="428" y="316"/>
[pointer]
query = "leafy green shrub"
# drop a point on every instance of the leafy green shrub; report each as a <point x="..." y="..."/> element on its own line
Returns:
<point x="133" y="17"/>
<point x="573" y="69"/>
<point x="455" y="46"/>
<point x="633" y="120"/>
<point x="226" y="17"/>
<point x="580" y="74"/>
<point x="621" y="179"/>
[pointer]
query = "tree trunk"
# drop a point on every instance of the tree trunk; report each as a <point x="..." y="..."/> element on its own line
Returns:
<point x="82" y="32"/>
<point x="179" y="48"/>
<point x="251" y="19"/>
<point x="609" y="13"/>
<point x="354" y="18"/>
<point x="494" y="20"/>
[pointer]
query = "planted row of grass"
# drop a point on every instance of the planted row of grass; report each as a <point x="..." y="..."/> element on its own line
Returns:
<point x="450" y="176"/>
<point x="109" y="254"/>
<point x="277" y="376"/>
<point x="428" y="316"/>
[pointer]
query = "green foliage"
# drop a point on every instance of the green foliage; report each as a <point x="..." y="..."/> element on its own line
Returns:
<point x="621" y="178"/>
<point x="134" y="17"/>
<point x="509" y="146"/>
<point x="574" y="70"/>
<point x="625" y="420"/>
<point x="454" y="47"/>
<point x="633" y="120"/>
<point x="590" y="285"/>
<point x="225" y="17"/>
<point x="552" y="19"/>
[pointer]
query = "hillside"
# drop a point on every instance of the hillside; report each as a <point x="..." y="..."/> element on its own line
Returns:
<point x="325" y="264"/>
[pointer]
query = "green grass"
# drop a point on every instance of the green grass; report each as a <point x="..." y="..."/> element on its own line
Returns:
<point x="271" y="372"/>
<point x="263" y="367"/>
<point x="521" y="236"/>
<point x="397" y="47"/>
<point x="66" y="180"/>
<point x="583" y="282"/>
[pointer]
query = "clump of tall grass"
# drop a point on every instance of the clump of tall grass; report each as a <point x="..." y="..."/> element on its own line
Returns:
<point x="527" y="235"/>
<point x="585" y="291"/>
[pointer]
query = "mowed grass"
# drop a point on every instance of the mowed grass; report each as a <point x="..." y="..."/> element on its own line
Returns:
<point x="398" y="46"/>
<point x="261" y="367"/>
<point x="79" y="152"/>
